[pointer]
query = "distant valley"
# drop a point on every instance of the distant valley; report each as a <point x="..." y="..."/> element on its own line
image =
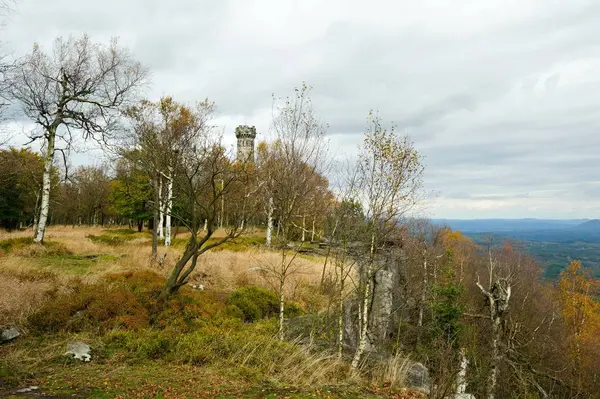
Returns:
<point x="553" y="242"/>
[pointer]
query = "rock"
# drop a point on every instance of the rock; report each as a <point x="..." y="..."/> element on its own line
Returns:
<point x="382" y="304"/>
<point x="79" y="350"/>
<point x="418" y="377"/>
<point x="28" y="389"/>
<point x="461" y="396"/>
<point x="8" y="334"/>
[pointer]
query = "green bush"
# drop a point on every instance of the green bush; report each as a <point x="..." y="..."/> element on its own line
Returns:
<point x="258" y="303"/>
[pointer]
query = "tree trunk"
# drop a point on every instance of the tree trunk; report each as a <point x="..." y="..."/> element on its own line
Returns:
<point x="140" y="225"/>
<point x="269" y="221"/>
<point x="423" y="297"/>
<point x="155" y="223"/>
<point x="46" y="183"/>
<point x="303" y="228"/>
<point x="312" y="234"/>
<point x="461" y="378"/>
<point x="36" y="212"/>
<point x="161" y="216"/>
<point x="281" y="307"/>
<point x="169" y="208"/>
<point x="362" y="342"/>
<point x="340" y="323"/>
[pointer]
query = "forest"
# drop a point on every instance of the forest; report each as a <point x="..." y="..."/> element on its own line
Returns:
<point x="191" y="272"/>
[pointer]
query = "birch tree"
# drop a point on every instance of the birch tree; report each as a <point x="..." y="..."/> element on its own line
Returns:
<point x="79" y="88"/>
<point x="389" y="182"/>
<point x="295" y="159"/>
<point x="161" y="132"/>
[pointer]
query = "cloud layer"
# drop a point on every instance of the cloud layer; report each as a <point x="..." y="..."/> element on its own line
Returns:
<point x="501" y="96"/>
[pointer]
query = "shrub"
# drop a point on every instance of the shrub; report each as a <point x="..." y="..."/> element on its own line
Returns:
<point x="258" y="303"/>
<point x="13" y="243"/>
<point x="91" y="307"/>
<point x="24" y="246"/>
<point x="127" y="300"/>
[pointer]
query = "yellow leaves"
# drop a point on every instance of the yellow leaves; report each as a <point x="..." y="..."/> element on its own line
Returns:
<point x="580" y="310"/>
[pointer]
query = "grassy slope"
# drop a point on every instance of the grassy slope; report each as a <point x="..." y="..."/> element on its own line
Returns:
<point x="29" y="274"/>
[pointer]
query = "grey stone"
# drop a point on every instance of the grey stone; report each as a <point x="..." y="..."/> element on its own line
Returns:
<point x="28" y="389"/>
<point x="418" y="377"/>
<point x="382" y="303"/>
<point x="79" y="350"/>
<point x="8" y="334"/>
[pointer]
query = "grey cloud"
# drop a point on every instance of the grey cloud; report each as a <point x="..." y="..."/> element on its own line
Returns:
<point x="502" y="103"/>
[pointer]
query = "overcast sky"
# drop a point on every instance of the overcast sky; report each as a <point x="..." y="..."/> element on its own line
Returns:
<point x="501" y="96"/>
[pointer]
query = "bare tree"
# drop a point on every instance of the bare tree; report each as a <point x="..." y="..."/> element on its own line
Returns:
<point x="78" y="88"/>
<point x="389" y="182"/>
<point x="291" y="167"/>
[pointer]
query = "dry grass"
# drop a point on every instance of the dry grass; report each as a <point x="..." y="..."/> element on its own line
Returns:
<point x="29" y="273"/>
<point x="391" y="372"/>
<point x="19" y="298"/>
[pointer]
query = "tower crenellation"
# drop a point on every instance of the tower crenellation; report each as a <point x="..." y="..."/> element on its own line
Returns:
<point x="245" y="142"/>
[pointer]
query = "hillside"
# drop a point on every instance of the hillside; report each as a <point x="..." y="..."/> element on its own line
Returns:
<point x="553" y="242"/>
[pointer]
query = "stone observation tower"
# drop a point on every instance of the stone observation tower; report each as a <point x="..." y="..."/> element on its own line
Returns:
<point x="245" y="142"/>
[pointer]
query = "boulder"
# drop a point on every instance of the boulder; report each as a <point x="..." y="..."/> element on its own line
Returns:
<point x="418" y="377"/>
<point x="8" y="334"/>
<point x="79" y="350"/>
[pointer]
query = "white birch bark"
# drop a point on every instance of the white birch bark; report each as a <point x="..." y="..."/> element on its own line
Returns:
<point x="303" y="228"/>
<point x="169" y="207"/>
<point x="362" y="342"/>
<point x="461" y="378"/>
<point x="46" y="183"/>
<point x="269" y="221"/>
<point x="161" y="210"/>
<point x="312" y="234"/>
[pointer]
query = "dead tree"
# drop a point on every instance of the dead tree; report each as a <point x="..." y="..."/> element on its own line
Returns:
<point x="497" y="299"/>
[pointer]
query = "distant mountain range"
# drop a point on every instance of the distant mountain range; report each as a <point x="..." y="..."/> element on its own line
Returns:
<point x="511" y="225"/>
<point x="554" y="242"/>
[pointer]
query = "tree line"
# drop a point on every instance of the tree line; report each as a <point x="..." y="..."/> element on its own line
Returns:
<point x="482" y="319"/>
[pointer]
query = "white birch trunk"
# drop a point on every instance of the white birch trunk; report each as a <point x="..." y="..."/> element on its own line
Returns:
<point x="161" y="210"/>
<point x="169" y="207"/>
<point x="362" y="342"/>
<point x="312" y="234"/>
<point x="269" y="221"/>
<point x="205" y="224"/>
<point x="46" y="183"/>
<point x="461" y="378"/>
<point x="303" y="228"/>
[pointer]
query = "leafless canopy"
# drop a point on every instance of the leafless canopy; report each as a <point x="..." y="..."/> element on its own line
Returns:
<point x="80" y="85"/>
